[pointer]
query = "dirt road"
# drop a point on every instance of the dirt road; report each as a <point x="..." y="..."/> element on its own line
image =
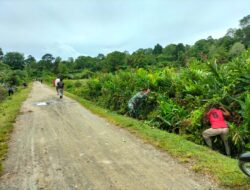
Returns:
<point x="61" y="145"/>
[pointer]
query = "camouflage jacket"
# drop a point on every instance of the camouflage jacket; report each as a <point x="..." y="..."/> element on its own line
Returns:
<point x="137" y="98"/>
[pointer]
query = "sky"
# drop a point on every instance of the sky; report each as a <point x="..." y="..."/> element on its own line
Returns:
<point x="70" y="28"/>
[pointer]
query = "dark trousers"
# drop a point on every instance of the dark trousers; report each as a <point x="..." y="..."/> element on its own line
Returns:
<point x="11" y="92"/>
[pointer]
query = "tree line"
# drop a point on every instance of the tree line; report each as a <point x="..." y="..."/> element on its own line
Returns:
<point x="222" y="50"/>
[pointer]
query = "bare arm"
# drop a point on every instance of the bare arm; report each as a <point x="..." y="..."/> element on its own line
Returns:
<point x="225" y="112"/>
<point x="148" y="91"/>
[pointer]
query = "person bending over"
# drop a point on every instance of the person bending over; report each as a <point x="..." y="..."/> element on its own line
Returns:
<point x="135" y="101"/>
<point x="218" y="126"/>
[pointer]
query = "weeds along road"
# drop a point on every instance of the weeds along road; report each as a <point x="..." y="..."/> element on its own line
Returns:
<point x="61" y="145"/>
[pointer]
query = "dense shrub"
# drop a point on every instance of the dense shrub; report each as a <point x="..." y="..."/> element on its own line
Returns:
<point x="180" y="96"/>
<point x="9" y="77"/>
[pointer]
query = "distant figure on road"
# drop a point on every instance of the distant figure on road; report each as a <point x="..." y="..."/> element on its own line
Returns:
<point x="218" y="126"/>
<point x="56" y="84"/>
<point x="135" y="101"/>
<point x="25" y="85"/>
<point x="60" y="86"/>
<point x="10" y="91"/>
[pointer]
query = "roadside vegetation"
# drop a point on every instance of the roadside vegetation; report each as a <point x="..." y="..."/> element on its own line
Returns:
<point x="180" y="97"/>
<point x="9" y="109"/>
<point x="12" y="75"/>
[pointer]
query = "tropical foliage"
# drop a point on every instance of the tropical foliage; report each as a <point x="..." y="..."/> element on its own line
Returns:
<point x="179" y="96"/>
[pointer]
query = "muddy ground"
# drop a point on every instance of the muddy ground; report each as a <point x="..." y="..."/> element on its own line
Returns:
<point x="58" y="144"/>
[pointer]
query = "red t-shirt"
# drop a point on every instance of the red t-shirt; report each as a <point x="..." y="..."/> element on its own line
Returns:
<point x="216" y="119"/>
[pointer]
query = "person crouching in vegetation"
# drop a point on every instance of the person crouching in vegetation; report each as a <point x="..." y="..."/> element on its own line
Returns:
<point x="60" y="86"/>
<point x="218" y="126"/>
<point x="135" y="101"/>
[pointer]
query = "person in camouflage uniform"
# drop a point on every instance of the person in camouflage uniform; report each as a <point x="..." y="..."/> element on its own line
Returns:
<point x="135" y="101"/>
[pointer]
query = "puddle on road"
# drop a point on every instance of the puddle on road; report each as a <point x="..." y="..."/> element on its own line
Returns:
<point x="41" y="103"/>
<point x="45" y="103"/>
<point x="49" y="102"/>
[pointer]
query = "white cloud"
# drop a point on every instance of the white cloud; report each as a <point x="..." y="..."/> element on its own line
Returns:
<point x="69" y="28"/>
<point x="62" y="49"/>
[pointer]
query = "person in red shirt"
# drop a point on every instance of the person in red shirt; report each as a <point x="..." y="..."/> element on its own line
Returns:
<point x="218" y="126"/>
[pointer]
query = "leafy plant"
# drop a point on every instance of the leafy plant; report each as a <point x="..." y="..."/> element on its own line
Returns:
<point x="239" y="136"/>
<point x="171" y="115"/>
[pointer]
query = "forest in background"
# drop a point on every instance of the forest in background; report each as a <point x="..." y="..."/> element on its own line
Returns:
<point x="184" y="80"/>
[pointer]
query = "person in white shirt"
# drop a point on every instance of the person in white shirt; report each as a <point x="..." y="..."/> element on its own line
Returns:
<point x="56" y="85"/>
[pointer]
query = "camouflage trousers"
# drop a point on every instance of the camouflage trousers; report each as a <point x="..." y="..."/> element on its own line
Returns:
<point x="133" y="112"/>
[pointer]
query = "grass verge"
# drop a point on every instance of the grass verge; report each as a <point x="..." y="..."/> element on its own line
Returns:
<point x="222" y="169"/>
<point x="9" y="109"/>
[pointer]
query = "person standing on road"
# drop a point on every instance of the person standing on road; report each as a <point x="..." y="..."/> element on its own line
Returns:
<point x="10" y="90"/>
<point x="60" y="86"/>
<point x="56" y="84"/>
<point x="218" y="126"/>
<point x="135" y="101"/>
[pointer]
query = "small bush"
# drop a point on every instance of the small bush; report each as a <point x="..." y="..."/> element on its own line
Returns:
<point x="3" y="93"/>
<point x="78" y="84"/>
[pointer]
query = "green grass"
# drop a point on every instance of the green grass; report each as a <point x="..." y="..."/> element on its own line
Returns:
<point x="9" y="109"/>
<point x="200" y="159"/>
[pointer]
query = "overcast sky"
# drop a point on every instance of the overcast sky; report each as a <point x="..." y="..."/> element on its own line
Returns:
<point x="69" y="28"/>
